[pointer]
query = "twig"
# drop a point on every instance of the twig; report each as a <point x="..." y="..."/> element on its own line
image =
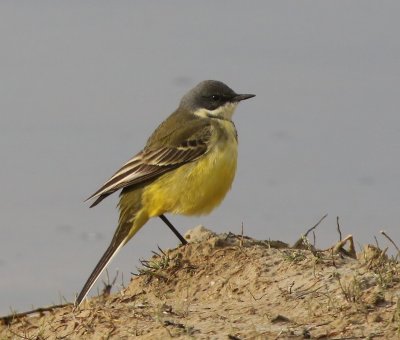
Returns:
<point x="339" y="247"/>
<point x="338" y="228"/>
<point x="18" y="335"/>
<point x="108" y="285"/>
<point x="7" y="319"/>
<point x="256" y="299"/>
<point x="391" y="241"/>
<point x="316" y="225"/>
<point x="300" y="243"/>
<point x="241" y="238"/>
<point x="377" y="243"/>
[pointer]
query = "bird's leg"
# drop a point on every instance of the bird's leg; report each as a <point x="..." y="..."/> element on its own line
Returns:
<point x="176" y="232"/>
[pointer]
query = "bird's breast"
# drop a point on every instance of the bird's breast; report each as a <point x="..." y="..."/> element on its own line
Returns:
<point x="198" y="187"/>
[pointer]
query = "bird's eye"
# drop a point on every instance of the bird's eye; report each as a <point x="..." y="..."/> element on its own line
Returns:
<point x="215" y="97"/>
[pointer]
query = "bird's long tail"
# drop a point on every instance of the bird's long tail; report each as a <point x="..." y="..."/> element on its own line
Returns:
<point x="132" y="218"/>
<point x="111" y="251"/>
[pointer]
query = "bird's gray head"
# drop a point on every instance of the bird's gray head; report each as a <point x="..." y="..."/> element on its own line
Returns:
<point x="212" y="98"/>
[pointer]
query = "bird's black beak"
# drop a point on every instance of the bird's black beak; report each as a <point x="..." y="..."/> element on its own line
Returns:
<point x="240" y="97"/>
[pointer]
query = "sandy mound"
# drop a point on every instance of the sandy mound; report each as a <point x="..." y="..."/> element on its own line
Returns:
<point x="233" y="287"/>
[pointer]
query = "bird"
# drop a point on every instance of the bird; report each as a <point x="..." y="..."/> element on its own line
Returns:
<point x="186" y="167"/>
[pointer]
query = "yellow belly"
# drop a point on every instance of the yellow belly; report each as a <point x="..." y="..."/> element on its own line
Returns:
<point x="195" y="188"/>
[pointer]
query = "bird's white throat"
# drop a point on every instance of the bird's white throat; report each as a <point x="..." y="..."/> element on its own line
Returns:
<point x="225" y="112"/>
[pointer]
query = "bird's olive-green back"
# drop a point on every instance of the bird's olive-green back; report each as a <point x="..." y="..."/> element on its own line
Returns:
<point x="179" y="127"/>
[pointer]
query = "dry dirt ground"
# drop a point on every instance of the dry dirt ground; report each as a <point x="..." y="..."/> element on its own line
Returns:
<point x="233" y="287"/>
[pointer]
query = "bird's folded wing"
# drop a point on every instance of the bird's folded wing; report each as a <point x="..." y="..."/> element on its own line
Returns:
<point x="151" y="163"/>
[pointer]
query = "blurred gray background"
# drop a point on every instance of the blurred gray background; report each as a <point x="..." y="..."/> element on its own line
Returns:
<point x="83" y="84"/>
